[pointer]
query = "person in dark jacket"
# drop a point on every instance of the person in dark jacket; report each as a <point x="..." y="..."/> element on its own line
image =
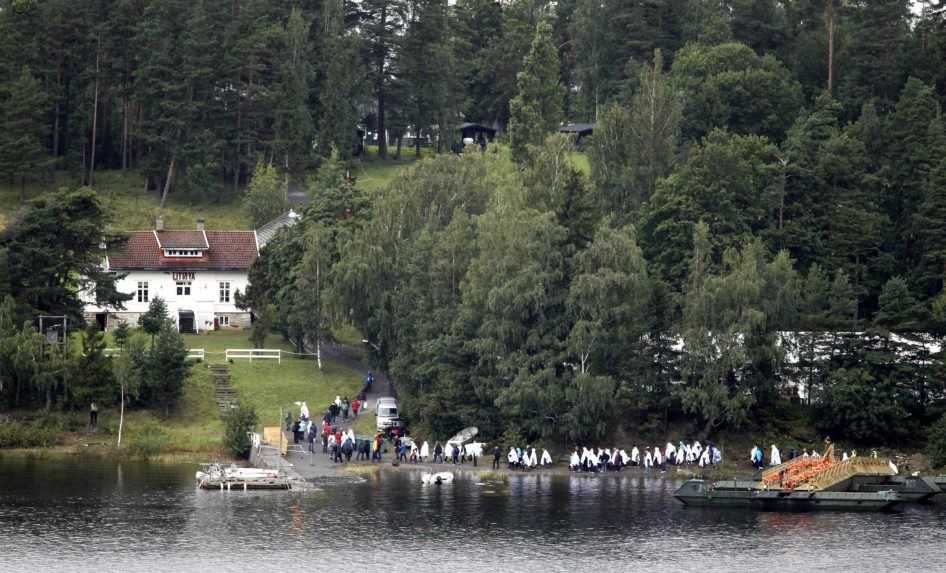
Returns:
<point x="496" y="456"/>
<point x="438" y="453"/>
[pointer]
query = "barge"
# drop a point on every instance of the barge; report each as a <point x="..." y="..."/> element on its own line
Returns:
<point x="823" y="483"/>
<point x="704" y="493"/>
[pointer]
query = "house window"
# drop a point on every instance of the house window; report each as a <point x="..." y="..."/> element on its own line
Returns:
<point x="183" y="288"/>
<point x="223" y="320"/>
<point x="182" y="252"/>
<point x="224" y="291"/>
<point x="142" y="291"/>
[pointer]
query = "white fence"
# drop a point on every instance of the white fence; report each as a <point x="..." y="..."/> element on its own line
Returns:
<point x="257" y="353"/>
<point x="192" y="353"/>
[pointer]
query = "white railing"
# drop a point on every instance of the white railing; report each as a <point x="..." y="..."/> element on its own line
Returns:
<point x="192" y="353"/>
<point x="258" y="353"/>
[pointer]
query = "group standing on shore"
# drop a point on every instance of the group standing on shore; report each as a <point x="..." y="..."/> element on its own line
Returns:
<point x="616" y="459"/>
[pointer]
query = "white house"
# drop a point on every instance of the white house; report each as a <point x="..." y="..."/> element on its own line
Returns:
<point x="196" y="272"/>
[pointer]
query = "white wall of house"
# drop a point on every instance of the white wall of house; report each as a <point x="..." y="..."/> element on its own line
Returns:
<point x="204" y="298"/>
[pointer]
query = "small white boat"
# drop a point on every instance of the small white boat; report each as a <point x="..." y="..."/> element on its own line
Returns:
<point x="436" y="478"/>
<point x="217" y="476"/>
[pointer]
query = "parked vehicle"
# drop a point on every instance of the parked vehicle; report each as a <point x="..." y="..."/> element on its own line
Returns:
<point x="387" y="414"/>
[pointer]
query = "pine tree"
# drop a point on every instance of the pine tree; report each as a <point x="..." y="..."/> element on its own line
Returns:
<point x="431" y="81"/>
<point x="537" y="110"/>
<point x="931" y="234"/>
<point x="869" y="65"/>
<point x="916" y="145"/>
<point x="23" y="157"/>
<point x="340" y="83"/>
<point x="384" y="23"/>
<point x="481" y="48"/>
<point x="154" y="319"/>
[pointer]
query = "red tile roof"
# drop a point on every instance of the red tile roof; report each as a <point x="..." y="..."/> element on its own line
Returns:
<point x="182" y="239"/>
<point x="228" y="250"/>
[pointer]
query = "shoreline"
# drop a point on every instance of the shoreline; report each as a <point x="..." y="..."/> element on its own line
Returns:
<point x="109" y="452"/>
<point x="687" y="472"/>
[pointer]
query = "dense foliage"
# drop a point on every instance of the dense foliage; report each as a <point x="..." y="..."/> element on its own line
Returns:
<point x="36" y="371"/>
<point x="195" y="93"/>
<point x="237" y="425"/>
<point x="764" y="212"/>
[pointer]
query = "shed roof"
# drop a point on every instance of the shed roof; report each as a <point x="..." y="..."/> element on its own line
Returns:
<point x="577" y="128"/>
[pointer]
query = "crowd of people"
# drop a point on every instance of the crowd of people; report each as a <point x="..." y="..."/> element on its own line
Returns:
<point x="682" y="453"/>
<point x="342" y="445"/>
<point x="523" y="459"/>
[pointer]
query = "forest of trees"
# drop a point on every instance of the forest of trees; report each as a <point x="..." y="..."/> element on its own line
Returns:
<point x="765" y="204"/>
<point x="194" y="92"/>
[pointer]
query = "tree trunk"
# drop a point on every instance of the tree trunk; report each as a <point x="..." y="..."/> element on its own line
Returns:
<point x="124" y="133"/>
<point x="95" y="118"/>
<point x="829" y="21"/>
<point x="382" y="138"/>
<point x="167" y="182"/>
<point x="121" y="416"/>
<point x="318" y="316"/>
<point x="397" y="154"/>
<point x="56" y="131"/>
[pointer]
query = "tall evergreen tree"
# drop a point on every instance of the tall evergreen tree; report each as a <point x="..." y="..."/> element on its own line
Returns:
<point x="383" y="26"/>
<point x="23" y="106"/>
<point x="916" y="144"/>
<point x="537" y="109"/>
<point x="293" y="128"/>
<point x="869" y="65"/>
<point x="340" y="83"/>
<point x="54" y="255"/>
<point x="931" y="234"/>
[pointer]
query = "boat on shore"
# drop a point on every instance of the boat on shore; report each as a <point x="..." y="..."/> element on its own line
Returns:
<point x="219" y="477"/>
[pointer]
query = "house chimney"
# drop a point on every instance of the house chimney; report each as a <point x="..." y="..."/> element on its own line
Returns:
<point x="159" y="224"/>
<point x="200" y="224"/>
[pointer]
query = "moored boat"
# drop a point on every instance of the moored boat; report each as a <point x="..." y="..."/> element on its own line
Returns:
<point x="703" y="493"/>
<point x="218" y="477"/>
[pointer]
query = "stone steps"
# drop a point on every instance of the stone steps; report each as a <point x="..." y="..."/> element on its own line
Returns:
<point x="225" y="394"/>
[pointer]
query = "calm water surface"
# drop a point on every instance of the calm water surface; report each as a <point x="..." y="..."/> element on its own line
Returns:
<point x="105" y="516"/>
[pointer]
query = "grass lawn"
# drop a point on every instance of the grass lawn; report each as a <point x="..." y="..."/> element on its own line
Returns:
<point x="134" y="210"/>
<point x="365" y="424"/>
<point x="372" y="173"/>
<point x="268" y="385"/>
<point x="580" y="161"/>
<point x="195" y="427"/>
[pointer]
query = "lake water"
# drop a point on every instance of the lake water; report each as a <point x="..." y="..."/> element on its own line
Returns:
<point x="105" y="516"/>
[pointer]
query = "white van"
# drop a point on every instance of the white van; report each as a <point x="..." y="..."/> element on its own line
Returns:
<point x="387" y="415"/>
